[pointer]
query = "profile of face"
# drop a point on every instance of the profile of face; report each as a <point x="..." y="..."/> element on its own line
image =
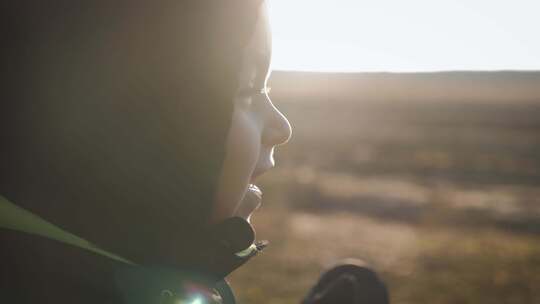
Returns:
<point x="257" y="127"/>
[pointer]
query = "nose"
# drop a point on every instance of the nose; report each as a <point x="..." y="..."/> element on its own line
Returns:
<point x="277" y="129"/>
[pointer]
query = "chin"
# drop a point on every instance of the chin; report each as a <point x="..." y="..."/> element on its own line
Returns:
<point x="250" y="202"/>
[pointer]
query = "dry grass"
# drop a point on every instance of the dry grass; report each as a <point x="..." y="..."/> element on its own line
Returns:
<point x="443" y="201"/>
<point x="432" y="259"/>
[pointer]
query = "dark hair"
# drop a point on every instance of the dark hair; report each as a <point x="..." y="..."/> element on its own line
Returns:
<point x="116" y="113"/>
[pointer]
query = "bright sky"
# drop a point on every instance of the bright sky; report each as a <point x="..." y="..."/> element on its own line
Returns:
<point x="405" y="35"/>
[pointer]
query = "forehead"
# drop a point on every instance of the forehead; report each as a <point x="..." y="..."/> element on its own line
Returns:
<point x="257" y="52"/>
<point x="261" y="38"/>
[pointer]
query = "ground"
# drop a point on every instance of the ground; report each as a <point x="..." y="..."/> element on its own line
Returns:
<point x="443" y="200"/>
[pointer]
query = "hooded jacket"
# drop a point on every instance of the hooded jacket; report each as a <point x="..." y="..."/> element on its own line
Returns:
<point x="113" y="129"/>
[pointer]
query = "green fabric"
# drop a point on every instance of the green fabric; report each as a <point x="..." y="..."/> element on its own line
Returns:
<point x="16" y="218"/>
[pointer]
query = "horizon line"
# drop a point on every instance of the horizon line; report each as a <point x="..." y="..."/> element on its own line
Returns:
<point x="409" y="72"/>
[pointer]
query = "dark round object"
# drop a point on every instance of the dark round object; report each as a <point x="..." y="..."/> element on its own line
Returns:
<point x="350" y="282"/>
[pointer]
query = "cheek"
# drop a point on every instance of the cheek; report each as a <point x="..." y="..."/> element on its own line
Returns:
<point x="243" y="143"/>
<point x="242" y="153"/>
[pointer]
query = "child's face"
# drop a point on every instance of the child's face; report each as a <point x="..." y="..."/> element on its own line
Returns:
<point x="256" y="128"/>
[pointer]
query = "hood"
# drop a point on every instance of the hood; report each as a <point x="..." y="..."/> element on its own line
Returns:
<point x="115" y="121"/>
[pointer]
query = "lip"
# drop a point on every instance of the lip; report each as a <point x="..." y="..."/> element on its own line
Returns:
<point x="252" y="188"/>
<point x="258" y="172"/>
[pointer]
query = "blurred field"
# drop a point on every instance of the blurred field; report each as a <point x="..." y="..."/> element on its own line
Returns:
<point x="438" y="192"/>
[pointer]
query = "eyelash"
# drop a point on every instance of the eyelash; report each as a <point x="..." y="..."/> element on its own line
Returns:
<point x="253" y="91"/>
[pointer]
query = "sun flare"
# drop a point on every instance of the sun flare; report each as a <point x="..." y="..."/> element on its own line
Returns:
<point x="395" y="35"/>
